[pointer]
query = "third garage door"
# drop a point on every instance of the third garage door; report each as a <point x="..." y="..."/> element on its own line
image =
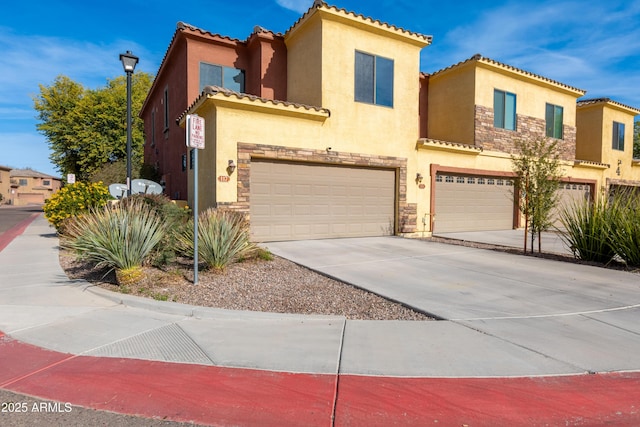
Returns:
<point x="472" y="203"/>
<point x="294" y="201"/>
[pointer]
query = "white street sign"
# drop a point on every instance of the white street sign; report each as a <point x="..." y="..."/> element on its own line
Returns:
<point x="195" y="131"/>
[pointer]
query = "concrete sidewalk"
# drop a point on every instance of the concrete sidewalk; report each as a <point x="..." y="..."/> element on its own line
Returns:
<point x="68" y="341"/>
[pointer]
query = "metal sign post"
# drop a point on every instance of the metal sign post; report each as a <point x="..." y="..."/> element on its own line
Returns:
<point x="195" y="140"/>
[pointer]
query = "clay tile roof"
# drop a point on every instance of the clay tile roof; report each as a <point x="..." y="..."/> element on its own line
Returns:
<point x="214" y="90"/>
<point x="318" y="4"/>
<point x="594" y="101"/>
<point x="479" y="58"/>
<point x="28" y="173"/>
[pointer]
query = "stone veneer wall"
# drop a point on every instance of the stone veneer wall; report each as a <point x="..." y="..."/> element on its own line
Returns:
<point x="407" y="212"/>
<point x="491" y="138"/>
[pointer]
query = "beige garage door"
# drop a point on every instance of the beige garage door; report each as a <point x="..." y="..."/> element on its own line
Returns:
<point x="568" y="194"/>
<point x="293" y="201"/>
<point x="472" y="203"/>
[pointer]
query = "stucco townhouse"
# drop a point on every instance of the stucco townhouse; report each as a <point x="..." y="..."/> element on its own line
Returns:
<point x="330" y="130"/>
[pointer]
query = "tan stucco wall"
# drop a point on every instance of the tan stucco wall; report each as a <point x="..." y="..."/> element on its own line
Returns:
<point x="589" y="134"/>
<point x="451" y="105"/>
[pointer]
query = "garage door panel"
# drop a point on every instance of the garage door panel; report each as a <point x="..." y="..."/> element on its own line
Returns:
<point x="322" y="201"/>
<point x="472" y="204"/>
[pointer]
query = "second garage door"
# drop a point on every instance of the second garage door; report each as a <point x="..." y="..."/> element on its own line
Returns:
<point x="472" y="203"/>
<point x="295" y="201"/>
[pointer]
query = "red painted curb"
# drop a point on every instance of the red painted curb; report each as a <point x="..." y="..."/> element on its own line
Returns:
<point x="246" y="397"/>
<point x="584" y="400"/>
<point x="179" y="392"/>
<point x="8" y="236"/>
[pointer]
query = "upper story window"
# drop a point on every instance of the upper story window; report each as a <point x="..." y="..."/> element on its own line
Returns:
<point x="46" y="182"/>
<point x="553" y="120"/>
<point x="219" y="75"/>
<point x="22" y="182"/>
<point x="166" y="108"/>
<point x="373" y="79"/>
<point x="618" y="136"/>
<point x="504" y="110"/>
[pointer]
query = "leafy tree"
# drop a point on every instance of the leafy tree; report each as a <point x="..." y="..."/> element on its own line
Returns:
<point x="86" y="128"/>
<point x="636" y="140"/>
<point x="537" y="167"/>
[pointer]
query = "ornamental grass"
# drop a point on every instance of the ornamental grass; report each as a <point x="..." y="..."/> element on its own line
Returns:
<point x="587" y="230"/>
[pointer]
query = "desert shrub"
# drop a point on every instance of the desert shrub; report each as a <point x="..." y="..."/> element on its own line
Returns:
<point x="587" y="230"/>
<point x="119" y="237"/>
<point x="625" y="228"/>
<point x="176" y="220"/>
<point x="223" y="238"/>
<point x="74" y="199"/>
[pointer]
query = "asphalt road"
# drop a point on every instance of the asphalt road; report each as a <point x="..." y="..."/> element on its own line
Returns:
<point x="13" y="215"/>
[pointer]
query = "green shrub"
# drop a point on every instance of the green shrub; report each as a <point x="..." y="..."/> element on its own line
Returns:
<point x="587" y="230"/>
<point x="223" y="238"/>
<point x="119" y="237"/>
<point x="625" y="228"/>
<point x="74" y="199"/>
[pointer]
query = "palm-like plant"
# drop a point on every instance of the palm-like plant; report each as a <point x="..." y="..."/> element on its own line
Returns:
<point x="120" y="237"/>
<point x="223" y="238"/>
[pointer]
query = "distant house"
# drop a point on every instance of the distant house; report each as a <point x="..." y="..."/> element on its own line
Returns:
<point x="330" y="130"/>
<point x="21" y="187"/>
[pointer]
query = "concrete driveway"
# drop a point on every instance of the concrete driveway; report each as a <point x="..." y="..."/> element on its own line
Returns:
<point x="587" y="317"/>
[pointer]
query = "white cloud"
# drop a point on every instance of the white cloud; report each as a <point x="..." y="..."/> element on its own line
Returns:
<point x="299" y="6"/>
<point x="30" y="60"/>
<point x="591" y="45"/>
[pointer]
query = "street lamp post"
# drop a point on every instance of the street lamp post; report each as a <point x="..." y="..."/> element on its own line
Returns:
<point x="129" y="62"/>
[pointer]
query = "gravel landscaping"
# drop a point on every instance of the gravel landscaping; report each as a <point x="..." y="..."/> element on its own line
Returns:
<point x="272" y="286"/>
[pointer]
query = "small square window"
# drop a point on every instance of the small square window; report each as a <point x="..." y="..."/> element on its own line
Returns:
<point x="471" y="180"/>
<point x="481" y="181"/>
<point x="373" y="79"/>
<point x="438" y="178"/>
<point x="491" y="181"/>
<point x="460" y="179"/>
<point x="448" y="178"/>
<point x="500" y="182"/>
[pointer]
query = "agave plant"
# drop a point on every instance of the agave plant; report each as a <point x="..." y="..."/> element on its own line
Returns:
<point x="587" y="228"/>
<point x="120" y="237"/>
<point x="223" y="238"/>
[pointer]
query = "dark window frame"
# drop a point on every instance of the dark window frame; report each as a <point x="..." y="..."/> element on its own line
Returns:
<point x="502" y="117"/>
<point x="554" y="121"/>
<point x="374" y="79"/>
<point x="618" y="136"/>
<point x="226" y="79"/>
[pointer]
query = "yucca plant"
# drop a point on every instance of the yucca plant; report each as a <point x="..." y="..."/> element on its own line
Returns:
<point x="625" y="228"/>
<point x="223" y="238"/>
<point x="120" y="237"/>
<point x="587" y="230"/>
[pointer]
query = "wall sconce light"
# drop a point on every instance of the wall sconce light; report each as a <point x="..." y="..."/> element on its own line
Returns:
<point x="419" y="178"/>
<point x="231" y="167"/>
<point x="329" y="150"/>
<point x="618" y="169"/>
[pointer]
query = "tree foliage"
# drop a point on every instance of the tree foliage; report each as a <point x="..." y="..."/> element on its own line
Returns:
<point x="538" y="171"/>
<point x="87" y="128"/>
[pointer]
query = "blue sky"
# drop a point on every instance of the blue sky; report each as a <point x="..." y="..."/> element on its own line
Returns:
<point x="592" y="45"/>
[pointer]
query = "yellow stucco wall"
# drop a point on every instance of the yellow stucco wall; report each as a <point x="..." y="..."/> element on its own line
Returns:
<point x="451" y="105"/>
